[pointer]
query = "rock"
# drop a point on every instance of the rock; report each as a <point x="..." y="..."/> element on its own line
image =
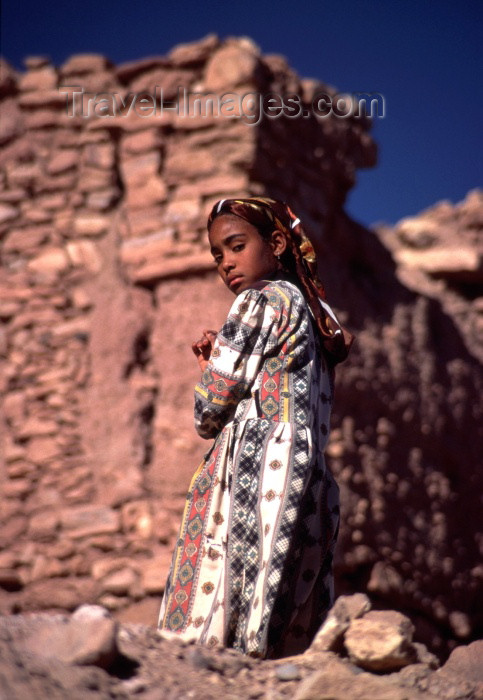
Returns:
<point x="44" y="524"/>
<point x="174" y="267"/>
<point x="81" y="299"/>
<point x="462" y="264"/>
<point x="12" y="528"/>
<point x="41" y="99"/>
<point x="41" y="78"/>
<point x="337" y="681"/>
<point x="120" y="582"/>
<point x="418" y="233"/>
<point x="449" y="686"/>
<point x="105" y="566"/>
<point x="42" y="449"/>
<point x="64" y="593"/>
<point x="90" y="613"/>
<point x="113" y="602"/>
<point x="84" y="521"/>
<point x="287" y="672"/>
<point x="170" y="81"/>
<point x="144" y="249"/>
<point x="91" y="224"/>
<point x="384" y="579"/>
<point x="50" y="263"/>
<point x="460" y="623"/>
<point x="84" y="254"/>
<point x="62" y="161"/>
<point x="465" y="662"/>
<point x="94" y="179"/>
<point x="345" y="609"/>
<point x="425" y="657"/>
<point x="13" y="196"/>
<point x="179" y="210"/>
<point x="34" y="426"/>
<point x="99" y="155"/>
<point x="43" y="116"/>
<point x="231" y="66"/>
<point x="8" y="82"/>
<point x="23" y="174"/>
<point x="29" y="239"/>
<point x="129" y="70"/>
<point x="380" y="641"/>
<point x="45" y="568"/>
<point x="152" y="192"/>
<point x="141" y="142"/>
<point x="88" y="638"/>
<point x="102" y="200"/>
<point x="136" y="170"/>
<point x="7" y="213"/>
<point x="193" y="53"/>
<point x="212" y="186"/>
<point x="17" y="488"/>
<point x="36" y="62"/>
<point x="137" y="518"/>
<point x="81" y="64"/>
<point x="154" y="573"/>
<point x="189" y="164"/>
<point x="11" y="579"/>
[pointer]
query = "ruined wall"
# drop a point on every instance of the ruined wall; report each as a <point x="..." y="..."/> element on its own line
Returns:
<point x="106" y="280"/>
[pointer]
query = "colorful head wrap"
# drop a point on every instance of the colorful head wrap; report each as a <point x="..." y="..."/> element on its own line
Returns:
<point x="299" y="259"/>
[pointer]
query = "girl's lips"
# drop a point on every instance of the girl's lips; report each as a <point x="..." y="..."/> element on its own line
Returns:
<point x="233" y="281"/>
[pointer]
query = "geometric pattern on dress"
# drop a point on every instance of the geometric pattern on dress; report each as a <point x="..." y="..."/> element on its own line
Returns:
<point x="270" y="390"/>
<point x="188" y="553"/>
<point x="294" y="569"/>
<point x="240" y="335"/>
<point x="244" y="534"/>
<point x="284" y="536"/>
<point x="309" y="593"/>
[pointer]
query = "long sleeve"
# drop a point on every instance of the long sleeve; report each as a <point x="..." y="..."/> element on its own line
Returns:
<point x="253" y="330"/>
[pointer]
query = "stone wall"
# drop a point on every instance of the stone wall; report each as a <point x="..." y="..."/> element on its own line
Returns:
<point x="106" y="280"/>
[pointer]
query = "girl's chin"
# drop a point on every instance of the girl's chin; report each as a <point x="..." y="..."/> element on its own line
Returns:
<point x="238" y="287"/>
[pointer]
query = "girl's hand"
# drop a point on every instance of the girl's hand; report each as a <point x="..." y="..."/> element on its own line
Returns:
<point x="202" y="348"/>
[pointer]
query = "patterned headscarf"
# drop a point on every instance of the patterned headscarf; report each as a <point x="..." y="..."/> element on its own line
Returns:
<point x="299" y="259"/>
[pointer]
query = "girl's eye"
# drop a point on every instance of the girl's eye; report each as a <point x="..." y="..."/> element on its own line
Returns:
<point x="217" y="259"/>
<point x="237" y="248"/>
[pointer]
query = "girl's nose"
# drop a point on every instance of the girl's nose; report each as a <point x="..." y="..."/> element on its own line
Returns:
<point x="227" y="264"/>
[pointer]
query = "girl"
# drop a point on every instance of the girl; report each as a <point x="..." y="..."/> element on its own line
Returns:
<point x="252" y="568"/>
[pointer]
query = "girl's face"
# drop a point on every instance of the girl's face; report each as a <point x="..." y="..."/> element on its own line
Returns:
<point x="241" y="255"/>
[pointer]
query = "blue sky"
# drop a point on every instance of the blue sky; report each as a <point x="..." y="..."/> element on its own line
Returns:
<point x="424" y="56"/>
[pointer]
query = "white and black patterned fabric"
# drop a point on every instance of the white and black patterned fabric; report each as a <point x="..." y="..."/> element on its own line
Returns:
<point x="253" y="565"/>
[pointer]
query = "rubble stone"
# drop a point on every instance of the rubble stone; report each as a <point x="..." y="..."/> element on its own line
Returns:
<point x="465" y="662"/>
<point x="84" y="63"/>
<point x="86" y="639"/>
<point x="345" y="609"/>
<point x="231" y="66"/>
<point x="84" y="521"/>
<point x="83" y="253"/>
<point x="39" y="78"/>
<point x="380" y="641"/>
<point x="49" y="263"/>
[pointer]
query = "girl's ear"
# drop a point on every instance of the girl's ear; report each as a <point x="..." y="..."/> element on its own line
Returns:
<point x="278" y="242"/>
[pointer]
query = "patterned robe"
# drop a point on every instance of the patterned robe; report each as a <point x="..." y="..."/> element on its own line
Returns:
<point x="252" y="567"/>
